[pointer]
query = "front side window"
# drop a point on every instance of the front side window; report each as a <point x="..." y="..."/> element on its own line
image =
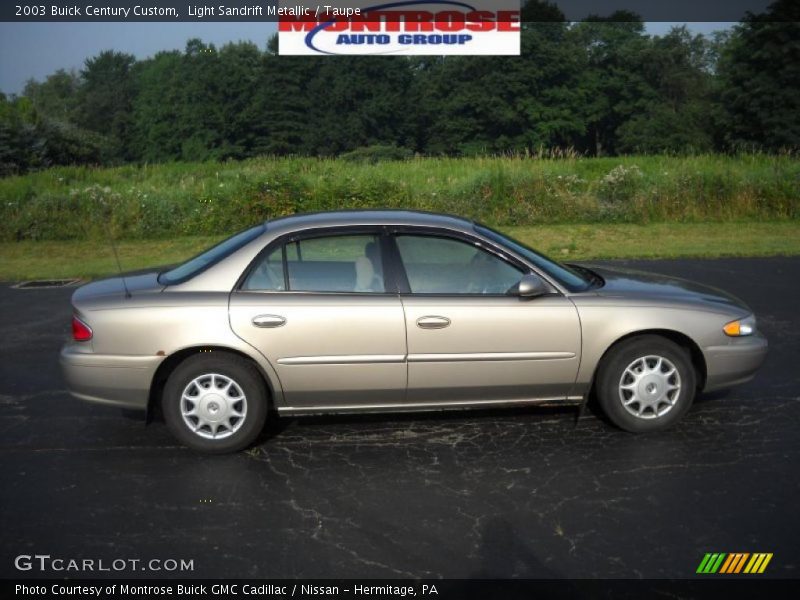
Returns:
<point x="567" y="276"/>
<point x="340" y="263"/>
<point x="439" y="265"/>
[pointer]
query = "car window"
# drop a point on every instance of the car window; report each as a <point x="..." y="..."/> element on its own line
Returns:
<point x="569" y="277"/>
<point x="439" y="265"/>
<point x="341" y="263"/>
<point x="268" y="273"/>
<point x="210" y="257"/>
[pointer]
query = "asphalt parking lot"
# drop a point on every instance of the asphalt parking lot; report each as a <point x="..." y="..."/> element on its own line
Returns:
<point x="525" y="493"/>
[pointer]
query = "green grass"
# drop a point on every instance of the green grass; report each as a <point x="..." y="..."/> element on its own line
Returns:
<point x="189" y="199"/>
<point x="41" y="260"/>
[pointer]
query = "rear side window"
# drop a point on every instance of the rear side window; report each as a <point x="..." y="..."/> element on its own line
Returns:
<point x="210" y="257"/>
<point x="341" y="263"/>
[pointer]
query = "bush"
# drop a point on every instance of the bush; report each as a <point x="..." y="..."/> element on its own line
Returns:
<point x="375" y="154"/>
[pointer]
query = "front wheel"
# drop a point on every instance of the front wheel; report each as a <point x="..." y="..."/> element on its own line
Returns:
<point x="646" y="383"/>
<point x="215" y="403"/>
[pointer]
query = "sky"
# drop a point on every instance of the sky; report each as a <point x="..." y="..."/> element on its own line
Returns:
<point x="35" y="50"/>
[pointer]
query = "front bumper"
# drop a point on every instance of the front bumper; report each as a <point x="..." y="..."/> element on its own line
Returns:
<point x="734" y="363"/>
<point x="117" y="380"/>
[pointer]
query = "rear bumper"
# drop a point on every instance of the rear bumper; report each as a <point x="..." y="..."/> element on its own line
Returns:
<point x="734" y="363"/>
<point x="115" y="380"/>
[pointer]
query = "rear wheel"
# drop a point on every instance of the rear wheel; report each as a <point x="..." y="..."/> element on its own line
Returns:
<point x="215" y="403"/>
<point x="646" y="383"/>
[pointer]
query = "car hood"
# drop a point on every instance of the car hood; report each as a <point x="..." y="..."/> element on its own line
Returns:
<point x="137" y="283"/>
<point x="651" y="286"/>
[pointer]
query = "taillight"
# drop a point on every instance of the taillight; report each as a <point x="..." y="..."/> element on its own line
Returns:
<point x="81" y="332"/>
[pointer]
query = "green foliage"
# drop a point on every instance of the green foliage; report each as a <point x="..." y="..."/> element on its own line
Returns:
<point x="376" y="154"/>
<point x="601" y="87"/>
<point x="56" y="97"/>
<point x="105" y="99"/>
<point x="214" y="198"/>
<point x="760" y="80"/>
<point x="29" y="140"/>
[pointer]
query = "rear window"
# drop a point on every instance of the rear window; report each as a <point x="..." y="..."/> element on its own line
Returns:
<point x="210" y="257"/>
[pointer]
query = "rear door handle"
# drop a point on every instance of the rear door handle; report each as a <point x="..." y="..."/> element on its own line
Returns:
<point x="433" y="322"/>
<point x="269" y="321"/>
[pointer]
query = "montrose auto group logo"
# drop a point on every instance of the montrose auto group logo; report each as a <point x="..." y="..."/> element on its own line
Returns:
<point x="400" y="27"/>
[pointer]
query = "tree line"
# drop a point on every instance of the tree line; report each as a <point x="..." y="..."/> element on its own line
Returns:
<point x="597" y="87"/>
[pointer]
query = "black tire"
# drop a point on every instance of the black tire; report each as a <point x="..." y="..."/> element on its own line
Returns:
<point x="656" y="412"/>
<point x="236" y="435"/>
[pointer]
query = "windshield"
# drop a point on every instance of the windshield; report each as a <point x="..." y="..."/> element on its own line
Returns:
<point x="569" y="277"/>
<point x="210" y="257"/>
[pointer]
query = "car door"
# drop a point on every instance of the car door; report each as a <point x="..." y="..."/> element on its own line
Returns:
<point x="469" y="340"/>
<point x="319" y="308"/>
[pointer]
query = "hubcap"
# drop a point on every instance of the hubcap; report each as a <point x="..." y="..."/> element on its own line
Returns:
<point x="649" y="387"/>
<point x="213" y="406"/>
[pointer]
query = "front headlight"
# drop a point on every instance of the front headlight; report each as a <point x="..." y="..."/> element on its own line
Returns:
<point x="741" y="327"/>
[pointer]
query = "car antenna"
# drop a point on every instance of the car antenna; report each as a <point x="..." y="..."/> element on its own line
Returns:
<point x="116" y="257"/>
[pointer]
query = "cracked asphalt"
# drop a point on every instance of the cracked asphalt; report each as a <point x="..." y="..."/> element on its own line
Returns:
<point x="491" y="494"/>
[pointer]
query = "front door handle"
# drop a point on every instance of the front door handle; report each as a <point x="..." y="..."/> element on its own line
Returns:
<point x="433" y="322"/>
<point x="269" y="321"/>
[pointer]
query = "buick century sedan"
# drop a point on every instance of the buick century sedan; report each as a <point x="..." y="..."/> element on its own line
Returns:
<point x="384" y="311"/>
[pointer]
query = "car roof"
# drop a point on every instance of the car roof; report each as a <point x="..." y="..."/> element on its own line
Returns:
<point x="366" y="217"/>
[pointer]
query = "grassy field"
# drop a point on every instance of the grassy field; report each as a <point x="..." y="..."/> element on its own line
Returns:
<point x="40" y="260"/>
<point x="191" y="199"/>
<point x="56" y="223"/>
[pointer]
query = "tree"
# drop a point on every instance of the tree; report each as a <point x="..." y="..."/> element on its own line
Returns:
<point x="238" y="80"/>
<point x="759" y="73"/>
<point x="361" y="101"/>
<point x="475" y="105"/>
<point x="612" y="84"/>
<point x="57" y="96"/>
<point x="675" y="118"/>
<point x="106" y="99"/>
<point x="156" y="107"/>
<point x="280" y="105"/>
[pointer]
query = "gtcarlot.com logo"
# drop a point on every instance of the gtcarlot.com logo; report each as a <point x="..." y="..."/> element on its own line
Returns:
<point x="402" y="27"/>
<point x="734" y="563"/>
<point x="45" y="563"/>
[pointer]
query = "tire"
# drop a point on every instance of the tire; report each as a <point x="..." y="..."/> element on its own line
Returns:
<point x="637" y="388"/>
<point x="230" y="407"/>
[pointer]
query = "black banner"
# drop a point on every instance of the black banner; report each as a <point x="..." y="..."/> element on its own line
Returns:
<point x="253" y="10"/>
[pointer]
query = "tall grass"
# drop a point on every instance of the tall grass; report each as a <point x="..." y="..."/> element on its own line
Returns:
<point x="157" y="201"/>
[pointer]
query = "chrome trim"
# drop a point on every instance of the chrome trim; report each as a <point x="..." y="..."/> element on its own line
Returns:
<point x="353" y="359"/>
<point x="421" y="405"/>
<point x="490" y="356"/>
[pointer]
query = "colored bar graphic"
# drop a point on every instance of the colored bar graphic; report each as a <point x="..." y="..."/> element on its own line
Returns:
<point x="703" y="563"/>
<point x="717" y="564"/>
<point x="734" y="561"/>
<point x="754" y="563"/>
<point x="711" y="562"/>
<point x="740" y="564"/>
<point x="731" y="563"/>
<point x="765" y="563"/>
<point x="728" y="563"/>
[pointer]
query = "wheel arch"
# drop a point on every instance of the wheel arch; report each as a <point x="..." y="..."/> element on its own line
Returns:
<point x="171" y="362"/>
<point x="681" y="339"/>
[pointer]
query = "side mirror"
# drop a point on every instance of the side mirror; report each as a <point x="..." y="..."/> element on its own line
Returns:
<point x="531" y="286"/>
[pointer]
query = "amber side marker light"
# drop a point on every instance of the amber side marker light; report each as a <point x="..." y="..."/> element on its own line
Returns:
<point x="81" y="332"/>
